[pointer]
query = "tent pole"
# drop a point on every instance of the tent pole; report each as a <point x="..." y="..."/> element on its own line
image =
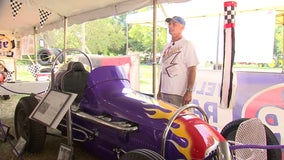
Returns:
<point x="282" y="43"/>
<point x="154" y="45"/>
<point x="216" y="65"/>
<point x="83" y="37"/>
<point x="35" y="45"/>
<point x="68" y="114"/>
<point x="127" y="38"/>
<point x="65" y="32"/>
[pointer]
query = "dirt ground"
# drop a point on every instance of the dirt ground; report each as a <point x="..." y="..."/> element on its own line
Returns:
<point x="52" y="144"/>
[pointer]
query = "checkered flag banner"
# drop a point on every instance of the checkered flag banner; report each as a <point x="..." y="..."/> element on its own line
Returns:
<point x="34" y="69"/>
<point x="43" y="15"/>
<point x="15" y="6"/>
<point x="229" y="14"/>
<point x="9" y="76"/>
<point x="229" y="54"/>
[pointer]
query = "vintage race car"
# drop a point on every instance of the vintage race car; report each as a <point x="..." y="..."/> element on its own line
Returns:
<point x="113" y="121"/>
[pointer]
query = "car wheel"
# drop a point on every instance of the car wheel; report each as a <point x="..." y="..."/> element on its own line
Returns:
<point x="46" y="56"/>
<point x="230" y="130"/>
<point x="142" y="154"/>
<point x="33" y="132"/>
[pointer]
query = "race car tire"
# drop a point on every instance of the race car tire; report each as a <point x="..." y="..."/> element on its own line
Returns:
<point x="142" y="154"/>
<point x="230" y="130"/>
<point x="33" y="132"/>
<point x="46" y="56"/>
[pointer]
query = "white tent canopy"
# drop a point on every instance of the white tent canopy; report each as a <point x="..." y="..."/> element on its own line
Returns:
<point x="255" y="25"/>
<point x="28" y="18"/>
<point x="202" y="8"/>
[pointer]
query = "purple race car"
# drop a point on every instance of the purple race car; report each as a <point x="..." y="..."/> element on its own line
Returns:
<point x="114" y="121"/>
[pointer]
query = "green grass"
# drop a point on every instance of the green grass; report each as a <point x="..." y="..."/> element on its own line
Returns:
<point x="146" y="74"/>
<point x="25" y="75"/>
<point x="146" y="77"/>
<point x="256" y="68"/>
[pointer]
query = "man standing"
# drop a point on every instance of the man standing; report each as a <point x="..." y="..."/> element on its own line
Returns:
<point x="178" y="66"/>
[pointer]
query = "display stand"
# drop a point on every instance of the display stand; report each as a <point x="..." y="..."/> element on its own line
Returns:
<point x="69" y="134"/>
<point x="20" y="146"/>
<point x="65" y="152"/>
<point x="4" y="131"/>
<point x="4" y="136"/>
<point x="51" y="110"/>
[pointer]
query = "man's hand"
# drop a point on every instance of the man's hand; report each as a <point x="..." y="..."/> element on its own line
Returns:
<point x="159" y="95"/>
<point x="187" y="98"/>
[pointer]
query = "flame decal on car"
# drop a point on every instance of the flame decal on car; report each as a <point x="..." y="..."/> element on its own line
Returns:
<point x="179" y="130"/>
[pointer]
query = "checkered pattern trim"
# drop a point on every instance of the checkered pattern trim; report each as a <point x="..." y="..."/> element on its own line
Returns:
<point x="43" y="15"/>
<point x="229" y="14"/>
<point x="9" y="76"/>
<point x="229" y="54"/>
<point x="15" y="6"/>
<point x="34" y="69"/>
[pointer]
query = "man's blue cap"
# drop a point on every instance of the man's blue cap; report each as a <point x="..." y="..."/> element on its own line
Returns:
<point x="176" y="19"/>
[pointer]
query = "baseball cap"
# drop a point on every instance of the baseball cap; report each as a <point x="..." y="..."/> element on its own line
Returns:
<point x="176" y="19"/>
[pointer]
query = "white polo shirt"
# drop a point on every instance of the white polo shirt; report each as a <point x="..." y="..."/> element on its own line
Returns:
<point x="175" y="60"/>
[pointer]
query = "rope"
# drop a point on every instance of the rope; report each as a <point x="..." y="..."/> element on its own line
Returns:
<point x="20" y="92"/>
<point x="256" y="146"/>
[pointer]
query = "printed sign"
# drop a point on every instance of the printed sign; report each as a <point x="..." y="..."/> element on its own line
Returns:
<point x="5" y="43"/>
<point x="257" y="95"/>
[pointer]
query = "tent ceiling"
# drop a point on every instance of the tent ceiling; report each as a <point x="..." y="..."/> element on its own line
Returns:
<point x="76" y="11"/>
<point x="203" y="8"/>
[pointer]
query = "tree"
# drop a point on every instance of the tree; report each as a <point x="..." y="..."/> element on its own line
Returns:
<point x="278" y="47"/>
<point x="103" y="36"/>
<point x="142" y="38"/>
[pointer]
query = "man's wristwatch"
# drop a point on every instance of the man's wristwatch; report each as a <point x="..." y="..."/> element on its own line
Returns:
<point x="189" y="90"/>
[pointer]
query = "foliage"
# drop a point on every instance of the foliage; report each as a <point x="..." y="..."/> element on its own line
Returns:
<point x="141" y="38"/>
<point x="103" y="36"/>
<point x="25" y="60"/>
<point x="106" y="37"/>
<point x="278" y="43"/>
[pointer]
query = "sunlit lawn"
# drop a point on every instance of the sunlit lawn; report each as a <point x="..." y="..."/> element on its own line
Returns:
<point x="255" y="67"/>
<point x="146" y="78"/>
<point x="24" y="75"/>
<point x="146" y="75"/>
